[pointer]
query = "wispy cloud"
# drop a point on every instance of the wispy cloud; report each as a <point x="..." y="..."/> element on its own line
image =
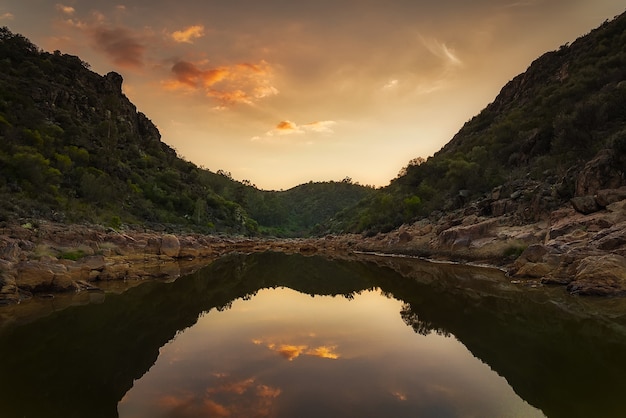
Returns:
<point x="391" y="84"/>
<point x="441" y="50"/>
<point x="227" y="85"/>
<point x="187" y="35"/>
<point x="123" y="46"/>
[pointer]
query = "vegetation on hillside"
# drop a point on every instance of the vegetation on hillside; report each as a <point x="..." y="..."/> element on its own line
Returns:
<point x="544" y="126"/>
<point x="73" y="148"/>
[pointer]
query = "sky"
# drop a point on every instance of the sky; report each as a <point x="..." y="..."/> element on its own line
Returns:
<point x="281" y="92"/>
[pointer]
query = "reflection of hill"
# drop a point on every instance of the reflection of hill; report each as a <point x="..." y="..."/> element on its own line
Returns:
<point x="553" y="352"/>
<point x="83" y="360"/>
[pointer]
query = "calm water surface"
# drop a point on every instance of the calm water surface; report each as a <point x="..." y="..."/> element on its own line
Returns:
<point x="274" y="335"/>
<point x="287" y="354"/>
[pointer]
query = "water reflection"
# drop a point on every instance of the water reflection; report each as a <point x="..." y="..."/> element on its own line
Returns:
<point x="285" y="354"/>
<point x="561" y="355"/>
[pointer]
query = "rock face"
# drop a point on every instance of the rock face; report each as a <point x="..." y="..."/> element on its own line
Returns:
<point x="601" y="276"/>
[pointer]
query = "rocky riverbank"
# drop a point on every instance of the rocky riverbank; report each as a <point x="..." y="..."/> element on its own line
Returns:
<point x="584" y="252"/>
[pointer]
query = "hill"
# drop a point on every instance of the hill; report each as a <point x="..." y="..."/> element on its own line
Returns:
<point x="73" y="149"/>
<point x="532" y="143"/>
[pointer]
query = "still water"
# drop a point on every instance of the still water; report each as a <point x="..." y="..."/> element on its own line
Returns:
<point x="287" y="354"/>
<point x="274" y="335"/>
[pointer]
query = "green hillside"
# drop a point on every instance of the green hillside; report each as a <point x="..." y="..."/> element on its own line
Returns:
<point x="73" y="148"/>
<point x="542" y="129"/>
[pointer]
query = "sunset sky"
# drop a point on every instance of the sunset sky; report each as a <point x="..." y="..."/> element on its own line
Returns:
<point x="283" y="92"/>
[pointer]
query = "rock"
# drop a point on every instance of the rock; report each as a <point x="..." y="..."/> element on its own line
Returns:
<point x="607" y="196"/>
<point x="404" y="237"/>
<point x="63" y="282"/>
<point x="94" y="262"/>
<point x="9" y="292"/>
<point x="603" y="275"/>
<point x="115" y="271"/>
<point x="463" y="235"/>
<point x="502" y="207"/>
<point x="170" y="245"/>
<point x="615" y="238"/>
<point x="602" y="172"/>
<point x="307" y="249"/>
<point x="10" y="251"/>
<point x="534" y="270"/>
<point x="534" y="253"/>
<point x="34" y="275"/>
<point x="585" y="204"/>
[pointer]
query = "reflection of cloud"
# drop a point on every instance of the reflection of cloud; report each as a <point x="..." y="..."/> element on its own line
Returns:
<point x="292" y="351"/>
<point x="288" y="351"/>
<point x="323" y="352"/>
<point x="233" y="387"/>
<point x="244" y="398"/>
<point x="399" y="396"/>
<point x="238" y="83"/>
<point x="189" y="34"/>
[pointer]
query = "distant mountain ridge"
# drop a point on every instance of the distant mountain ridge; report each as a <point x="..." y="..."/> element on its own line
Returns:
<point x="538" y="141"/>
<point x="73" y="148"/>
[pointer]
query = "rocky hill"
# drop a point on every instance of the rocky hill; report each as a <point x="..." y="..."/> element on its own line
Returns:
<point x="555" y="132"/>
<point x="74" y="149"/>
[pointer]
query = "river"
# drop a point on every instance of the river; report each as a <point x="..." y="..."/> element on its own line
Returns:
<point x="275" y="335"/>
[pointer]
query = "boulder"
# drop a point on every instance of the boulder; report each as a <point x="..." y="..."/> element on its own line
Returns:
<point x="404" y="237"/>
<point x="534" y="253"/>
<point x="170" y="245"/>
<point x="8" y="289"/>
<point x="34" y="275"/>
<point x="585" y="204"/>
<point x="463" y="235"/>
<point x="602" y="172"/>
<point x="603" y="275"/>
<point x="607" y="196"/>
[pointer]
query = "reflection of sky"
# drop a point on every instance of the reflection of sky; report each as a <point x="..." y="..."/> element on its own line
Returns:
<point x="285" y="354"/>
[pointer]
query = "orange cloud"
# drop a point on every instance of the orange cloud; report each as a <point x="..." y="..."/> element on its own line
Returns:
<point x="287" y="127"/>
<point x="7" y="16"/>
<point x="227" y="85"/>
<point x="68" y="10"/>
<point x="189" y="34"/>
